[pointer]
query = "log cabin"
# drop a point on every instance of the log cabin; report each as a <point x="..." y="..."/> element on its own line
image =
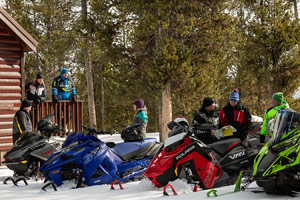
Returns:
<point x="15" y="42"/>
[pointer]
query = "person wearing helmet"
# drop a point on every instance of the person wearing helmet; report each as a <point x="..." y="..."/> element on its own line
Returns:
<point x="236" y="115"/>
<point x="22" y="122"/>
<point x="206" y="115"/>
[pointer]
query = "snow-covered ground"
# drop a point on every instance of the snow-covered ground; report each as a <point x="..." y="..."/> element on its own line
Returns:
<point x="143" y="189"/>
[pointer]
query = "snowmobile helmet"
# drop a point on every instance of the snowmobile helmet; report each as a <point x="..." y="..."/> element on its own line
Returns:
<point x="181" y="120"/>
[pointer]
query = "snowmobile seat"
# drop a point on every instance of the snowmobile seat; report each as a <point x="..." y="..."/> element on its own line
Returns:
<point x="221" y="147"/>
<point x="134" y="150"/>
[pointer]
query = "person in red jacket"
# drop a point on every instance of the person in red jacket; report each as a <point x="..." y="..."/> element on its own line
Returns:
<point x="236" y="115"/>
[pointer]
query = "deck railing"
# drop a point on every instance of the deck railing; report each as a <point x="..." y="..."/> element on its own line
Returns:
<point x="68" y="115"/>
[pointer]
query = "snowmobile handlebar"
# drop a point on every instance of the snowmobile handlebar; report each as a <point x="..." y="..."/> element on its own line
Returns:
<point x="94" y="131"/>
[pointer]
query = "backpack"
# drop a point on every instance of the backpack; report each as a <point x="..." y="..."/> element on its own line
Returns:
<point x="132" y="134"/>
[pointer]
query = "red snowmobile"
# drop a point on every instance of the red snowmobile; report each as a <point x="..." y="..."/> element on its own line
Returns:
<point x="185" y="156"/>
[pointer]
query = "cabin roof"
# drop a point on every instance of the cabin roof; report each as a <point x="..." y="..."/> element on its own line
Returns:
<point x="27" y="41"/>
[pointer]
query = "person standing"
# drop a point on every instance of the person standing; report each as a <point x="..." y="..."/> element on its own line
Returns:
<point x="36" y="90"/>
<point x="22" y="122"/>
<point x="236" y="115"/>
<point x="206" y="115"/>
<point x="278" y="103"/>
<point x="63" y="87"/>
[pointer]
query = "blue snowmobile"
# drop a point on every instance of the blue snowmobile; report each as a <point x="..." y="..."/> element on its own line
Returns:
<point x="90" y="161"/>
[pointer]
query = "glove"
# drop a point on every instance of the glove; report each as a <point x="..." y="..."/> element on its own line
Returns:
<point x="54" y="99"/>
<point x="37" y="100"/>
<point x="73" y="98"/>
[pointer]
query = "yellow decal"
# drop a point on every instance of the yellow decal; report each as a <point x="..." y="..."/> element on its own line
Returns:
<point x="176" y="171"/>
<point x="66" y="90"/>
<point x="54" y="83"/>
<point x="24" y="161"/>
<point x="19" y="126"/>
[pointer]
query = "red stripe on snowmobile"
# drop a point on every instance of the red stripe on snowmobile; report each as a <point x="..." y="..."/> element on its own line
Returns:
<point x="233" y="145"/>
<point x="255" y="130"/>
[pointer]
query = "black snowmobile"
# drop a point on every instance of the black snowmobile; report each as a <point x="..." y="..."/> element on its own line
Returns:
<point x="277" y="165"/>
<point x="30" y="151"/>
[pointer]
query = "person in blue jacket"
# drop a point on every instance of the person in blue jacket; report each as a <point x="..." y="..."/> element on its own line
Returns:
<point x="63" y="87"/>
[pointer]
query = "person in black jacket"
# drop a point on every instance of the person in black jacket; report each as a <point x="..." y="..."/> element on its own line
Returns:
<point x="22" y="122"/>
<point x="206" y="115"/>
<point x="236" y="115"/>
<point x="36" y="90"/>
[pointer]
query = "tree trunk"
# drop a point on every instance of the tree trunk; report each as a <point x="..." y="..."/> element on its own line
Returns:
<point x="90" y="87"/>
<point x="88" y="72"/>
<point x="102" y="104"/>
<point x="295" y="9"/>
<point x="166" y="112"/>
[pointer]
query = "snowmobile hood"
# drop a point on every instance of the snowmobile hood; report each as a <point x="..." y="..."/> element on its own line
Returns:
<point x="68" y="155"/>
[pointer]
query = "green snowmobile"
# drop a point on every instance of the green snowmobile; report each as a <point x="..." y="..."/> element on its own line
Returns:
<point x="277" y="166"/>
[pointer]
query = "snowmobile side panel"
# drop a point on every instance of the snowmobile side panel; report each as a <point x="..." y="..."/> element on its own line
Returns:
<point x="43" y="153"/>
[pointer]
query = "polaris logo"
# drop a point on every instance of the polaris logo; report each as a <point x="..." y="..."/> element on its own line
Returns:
<point x="181" y="155"/>
<point x="237" y="155"/>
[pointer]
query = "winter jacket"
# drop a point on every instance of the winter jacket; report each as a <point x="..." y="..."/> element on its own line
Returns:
<point x="142" y="119"/>
<point x="239" y="117"/>
<point x="63" y="87"/>
<point x="205" y="117"/>
<point x="34" y="90"/>
<point x="270" y="114"/>
<point x="21" y="124"/>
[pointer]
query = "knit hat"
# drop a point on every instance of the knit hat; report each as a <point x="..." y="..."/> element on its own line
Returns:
<point x="39" y="75"/>
<point x="234" y="96"/>
<point x="63" y="71"/>
<point x="207" y="101"/>
<point x="26" y="103"/>
<point x="139" y="103"/>
<point x="278" y="97"/>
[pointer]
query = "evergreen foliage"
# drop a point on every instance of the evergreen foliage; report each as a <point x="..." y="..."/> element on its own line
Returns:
<point x="201" y="48"/>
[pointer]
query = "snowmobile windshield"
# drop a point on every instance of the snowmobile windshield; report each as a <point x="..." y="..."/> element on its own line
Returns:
<point x="284" y="122"/>
<point x="177" y="133"/>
